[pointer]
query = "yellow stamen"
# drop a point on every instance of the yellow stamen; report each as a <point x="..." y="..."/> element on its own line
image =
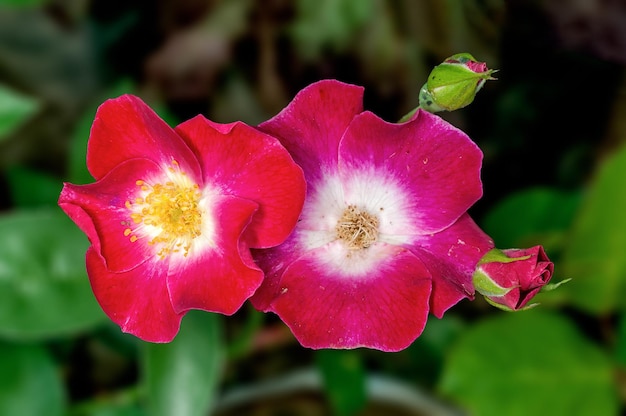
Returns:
<point x="170" y="210"/>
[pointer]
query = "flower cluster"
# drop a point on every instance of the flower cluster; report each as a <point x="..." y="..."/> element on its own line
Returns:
<point x="350" y="228"/>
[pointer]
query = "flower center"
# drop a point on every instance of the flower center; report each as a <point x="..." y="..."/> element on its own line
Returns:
<point x="168" y="212"/>
<point x="358" y="229"/>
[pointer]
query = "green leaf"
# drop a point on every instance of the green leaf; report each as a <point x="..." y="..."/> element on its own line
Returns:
<point x="620" y="344"/>
<point x="44" y="290"/>
<point x="15" y="109"/>
<point x="328" y="24"/>
<point x="109" y="409"/>
<point x="31" y="188"/>
<point x="530" y="363"/>
<point x="78" y="173"/>
<point x="344" y="380"/>
<point x="30" y="383"/>
<point x="594" y="257"/>
<point x="530" y="217"/>
<point x="181" y="377"/>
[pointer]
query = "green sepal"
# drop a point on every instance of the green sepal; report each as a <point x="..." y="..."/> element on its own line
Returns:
<point x="507" y="309"/>
<point x="551" y="286"/>
<point x="495" y="255"/>
<point x="486" y="286"/>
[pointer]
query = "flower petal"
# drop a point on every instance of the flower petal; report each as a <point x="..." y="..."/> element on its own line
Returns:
<point x="312" y="125"/>
<point x="136" y="300"/>
<point x="126" y="128"/>
<point x="451" y="256"/>
<point x="384" y="307"/>
<point x="223" y="275"/>
<point x="99" y="210"/>
<point x="244" y="162"/>
<point x="431" y="168"/>
<point x="273" y="262"/>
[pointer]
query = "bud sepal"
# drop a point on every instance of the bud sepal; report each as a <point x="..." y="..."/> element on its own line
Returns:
<point x="509" y="279"/>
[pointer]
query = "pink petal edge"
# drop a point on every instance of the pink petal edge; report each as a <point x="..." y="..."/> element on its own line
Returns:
<point x="387" y="310"/>
<point x="136" y="300"/>
<point x="243" y="162"/>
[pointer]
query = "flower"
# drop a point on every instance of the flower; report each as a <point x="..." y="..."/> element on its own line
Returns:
<point x="174" y="212"/>
<point x="509" y="279"/>
<point x="383" y="237"/>
<point x="454" y="83"/>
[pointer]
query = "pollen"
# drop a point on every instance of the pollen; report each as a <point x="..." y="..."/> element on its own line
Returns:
<point x="167" y="212"/>
<point x="358" y="229"/>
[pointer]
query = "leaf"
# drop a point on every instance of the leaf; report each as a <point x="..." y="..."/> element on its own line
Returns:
<point x="181" y="378"/>
<point x="620" y="344"/>
<point x="328" y="24"/>
<point x="594" y="254"/>
<point x="77" y="167"/>
<point x="32" y="188"/>
<point x="44" y="290"/>
<point x="343" y="375"/>
<point x="530" y="217"/>
<point x="15" y="109"/>
<point x="30" y="383"/>
<point x="529" y="363"/>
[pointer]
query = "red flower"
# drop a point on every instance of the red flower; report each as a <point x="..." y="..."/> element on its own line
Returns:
<point x="384" y="237"/>
<point x="509" y="279"/>
<point x="173" y="213"/>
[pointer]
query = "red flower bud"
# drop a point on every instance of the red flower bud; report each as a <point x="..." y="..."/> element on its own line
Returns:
<point x="509" y="279"/>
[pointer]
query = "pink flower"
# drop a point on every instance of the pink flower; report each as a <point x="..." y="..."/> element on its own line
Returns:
<point x="509" y="279"/>
<point x="384" y="237"/>
<point x="174" y="212"/>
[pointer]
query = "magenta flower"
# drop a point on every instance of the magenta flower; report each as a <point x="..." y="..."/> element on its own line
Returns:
<point x="173" y="213"/>
<point x="509" y="279"/>
<point x="384" y="237"/>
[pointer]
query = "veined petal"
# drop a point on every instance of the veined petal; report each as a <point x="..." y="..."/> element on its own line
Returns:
<point x="100" y="210"/>
<point x="136" y="300"/>
<point x="431" y="170"/>
<point x="126" y="128"/>
<point x="451" y="256"/>
<point x="220" y="275"/>
<point x="382" y="305"/>
<point x="312" y="125"/>
<point x="241" y="161"/>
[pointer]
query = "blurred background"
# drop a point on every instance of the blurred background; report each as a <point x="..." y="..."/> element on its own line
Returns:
<point x="552" y="128"/>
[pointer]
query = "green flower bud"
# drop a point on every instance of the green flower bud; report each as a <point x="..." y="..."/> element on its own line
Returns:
<point x="454" y="83"/>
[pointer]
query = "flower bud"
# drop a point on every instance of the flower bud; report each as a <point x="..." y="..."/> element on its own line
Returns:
<point x="509" y="279"/>
<point x="454" y="83"/>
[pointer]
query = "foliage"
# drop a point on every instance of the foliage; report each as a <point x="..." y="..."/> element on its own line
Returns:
<point x="553" y="175"/>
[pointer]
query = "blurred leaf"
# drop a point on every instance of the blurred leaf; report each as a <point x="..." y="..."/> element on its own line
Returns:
<point x="30" y="383"/>
<point x="181" y="377"/>
<point x="110" y="409"/>
<point x="594" y="254"/>
<point x="620" y="344"/>
<point x="530" y="217"/>
<point x="14" y="3"/>
<point x="77" y="169"/>
<point x="15" y="109"/>
<point x="344" y="380"/>
<point x="328" y="23"/>
<point x="31" y="188"/>
<point x="529" y="363"/>
<point x="123" y="403"/>
<point x="44" y="290"/>
<point x="426" y="356"/>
